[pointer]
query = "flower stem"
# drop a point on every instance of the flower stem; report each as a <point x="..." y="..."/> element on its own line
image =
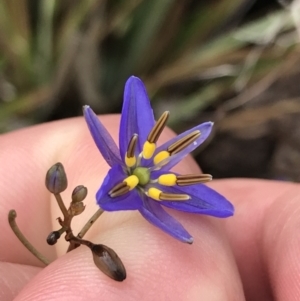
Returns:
<point x="61" y="205"/>
<point x="89" y="223"/>
<point x="61" y="230"/>
<point x="12" y="222"/>
<point x="73" y="242"/>
<point x="80" y="241"/>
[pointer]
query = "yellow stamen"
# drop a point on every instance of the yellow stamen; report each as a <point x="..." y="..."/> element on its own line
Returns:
<point x="161" y="156"/>
<point x="154" y="193"/>
<point x="148" y="149"/>
<point x="158" y="195"/>
<point x="130" y="161"/>
<point x="131" y="181"/>
<point x="167" y="179"/>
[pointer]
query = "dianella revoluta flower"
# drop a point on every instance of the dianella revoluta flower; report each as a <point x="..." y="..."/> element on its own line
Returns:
<point x="140" y="177"/>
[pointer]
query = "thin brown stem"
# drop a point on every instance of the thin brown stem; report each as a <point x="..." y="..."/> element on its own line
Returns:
<point x="73" y="243"/>
<point x="79" y="241"/>
<point x="12" y="222"/>
<point x="61" y="205"/>
<point x="61" y="230"/>
<point x="89" y="223"/>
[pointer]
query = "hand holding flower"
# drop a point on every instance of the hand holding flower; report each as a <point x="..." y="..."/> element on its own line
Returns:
<point x="255" y="253"/>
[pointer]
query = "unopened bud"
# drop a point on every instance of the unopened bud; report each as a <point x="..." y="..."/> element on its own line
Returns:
<point x="76" y="208"/>
<point x="53" y="237"/>
<point x="107" y="260"/>
<point x="56" y="179"/>
<point x="79" y="194"/>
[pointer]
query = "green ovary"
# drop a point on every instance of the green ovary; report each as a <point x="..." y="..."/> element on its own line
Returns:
<point x="143" y="174"/>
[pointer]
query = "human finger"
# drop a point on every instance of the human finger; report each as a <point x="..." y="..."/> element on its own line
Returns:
<point x="264" y="235"/>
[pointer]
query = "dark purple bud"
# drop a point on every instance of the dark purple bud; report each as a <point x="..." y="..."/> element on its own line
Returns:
<point x="107" y="260"/>
<point x="53" y="237"/>
<point x="79" y="194"/>
<point x="56" y="179"/>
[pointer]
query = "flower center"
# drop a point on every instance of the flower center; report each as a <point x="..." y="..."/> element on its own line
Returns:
<point x="140" y="176"/>
<point x="143" y="174"/>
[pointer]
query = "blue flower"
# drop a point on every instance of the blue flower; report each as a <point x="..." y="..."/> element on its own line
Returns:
<point x="140" y="176"/>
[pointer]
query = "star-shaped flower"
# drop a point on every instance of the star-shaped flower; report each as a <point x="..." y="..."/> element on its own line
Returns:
<point x="140" y="176"/>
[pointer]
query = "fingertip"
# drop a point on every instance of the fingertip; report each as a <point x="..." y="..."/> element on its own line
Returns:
<point x="158" y="266"/>
<point x="281" y="244"/>
<point x="13" y="277"/>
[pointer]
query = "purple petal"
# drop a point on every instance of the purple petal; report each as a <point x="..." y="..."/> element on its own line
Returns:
<point x="137" y="115"/>
<point x="204" y="200"/>
<point x="102" y="138"/>
<point x="128" y="201"/>
<point x="204" y="128"/>
<point x="156" y="215"/>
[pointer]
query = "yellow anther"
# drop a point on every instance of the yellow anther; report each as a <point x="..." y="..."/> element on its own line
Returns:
<point x="161" y="156"/>
<point x="148" y="149"/>
<point x="131" y="181"/>
<point x="167" y="179"/>
<point x="154" y="193"/>
<point x="130" y="161"/>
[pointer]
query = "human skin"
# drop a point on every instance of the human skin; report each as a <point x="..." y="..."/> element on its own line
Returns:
<point x="253" y="255"/>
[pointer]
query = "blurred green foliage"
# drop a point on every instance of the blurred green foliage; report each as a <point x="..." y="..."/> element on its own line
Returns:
<point x="57" y="55"/>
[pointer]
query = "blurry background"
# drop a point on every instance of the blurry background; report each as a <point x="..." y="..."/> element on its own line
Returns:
<point x="235" y="62"/>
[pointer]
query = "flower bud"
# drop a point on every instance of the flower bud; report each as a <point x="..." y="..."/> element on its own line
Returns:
<point x="53" y="237"/>
<point x="56" y="179"/>
<point x="107" y="260"/>
<point x="79" y="194"/>
<point x="76" y="208"/>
